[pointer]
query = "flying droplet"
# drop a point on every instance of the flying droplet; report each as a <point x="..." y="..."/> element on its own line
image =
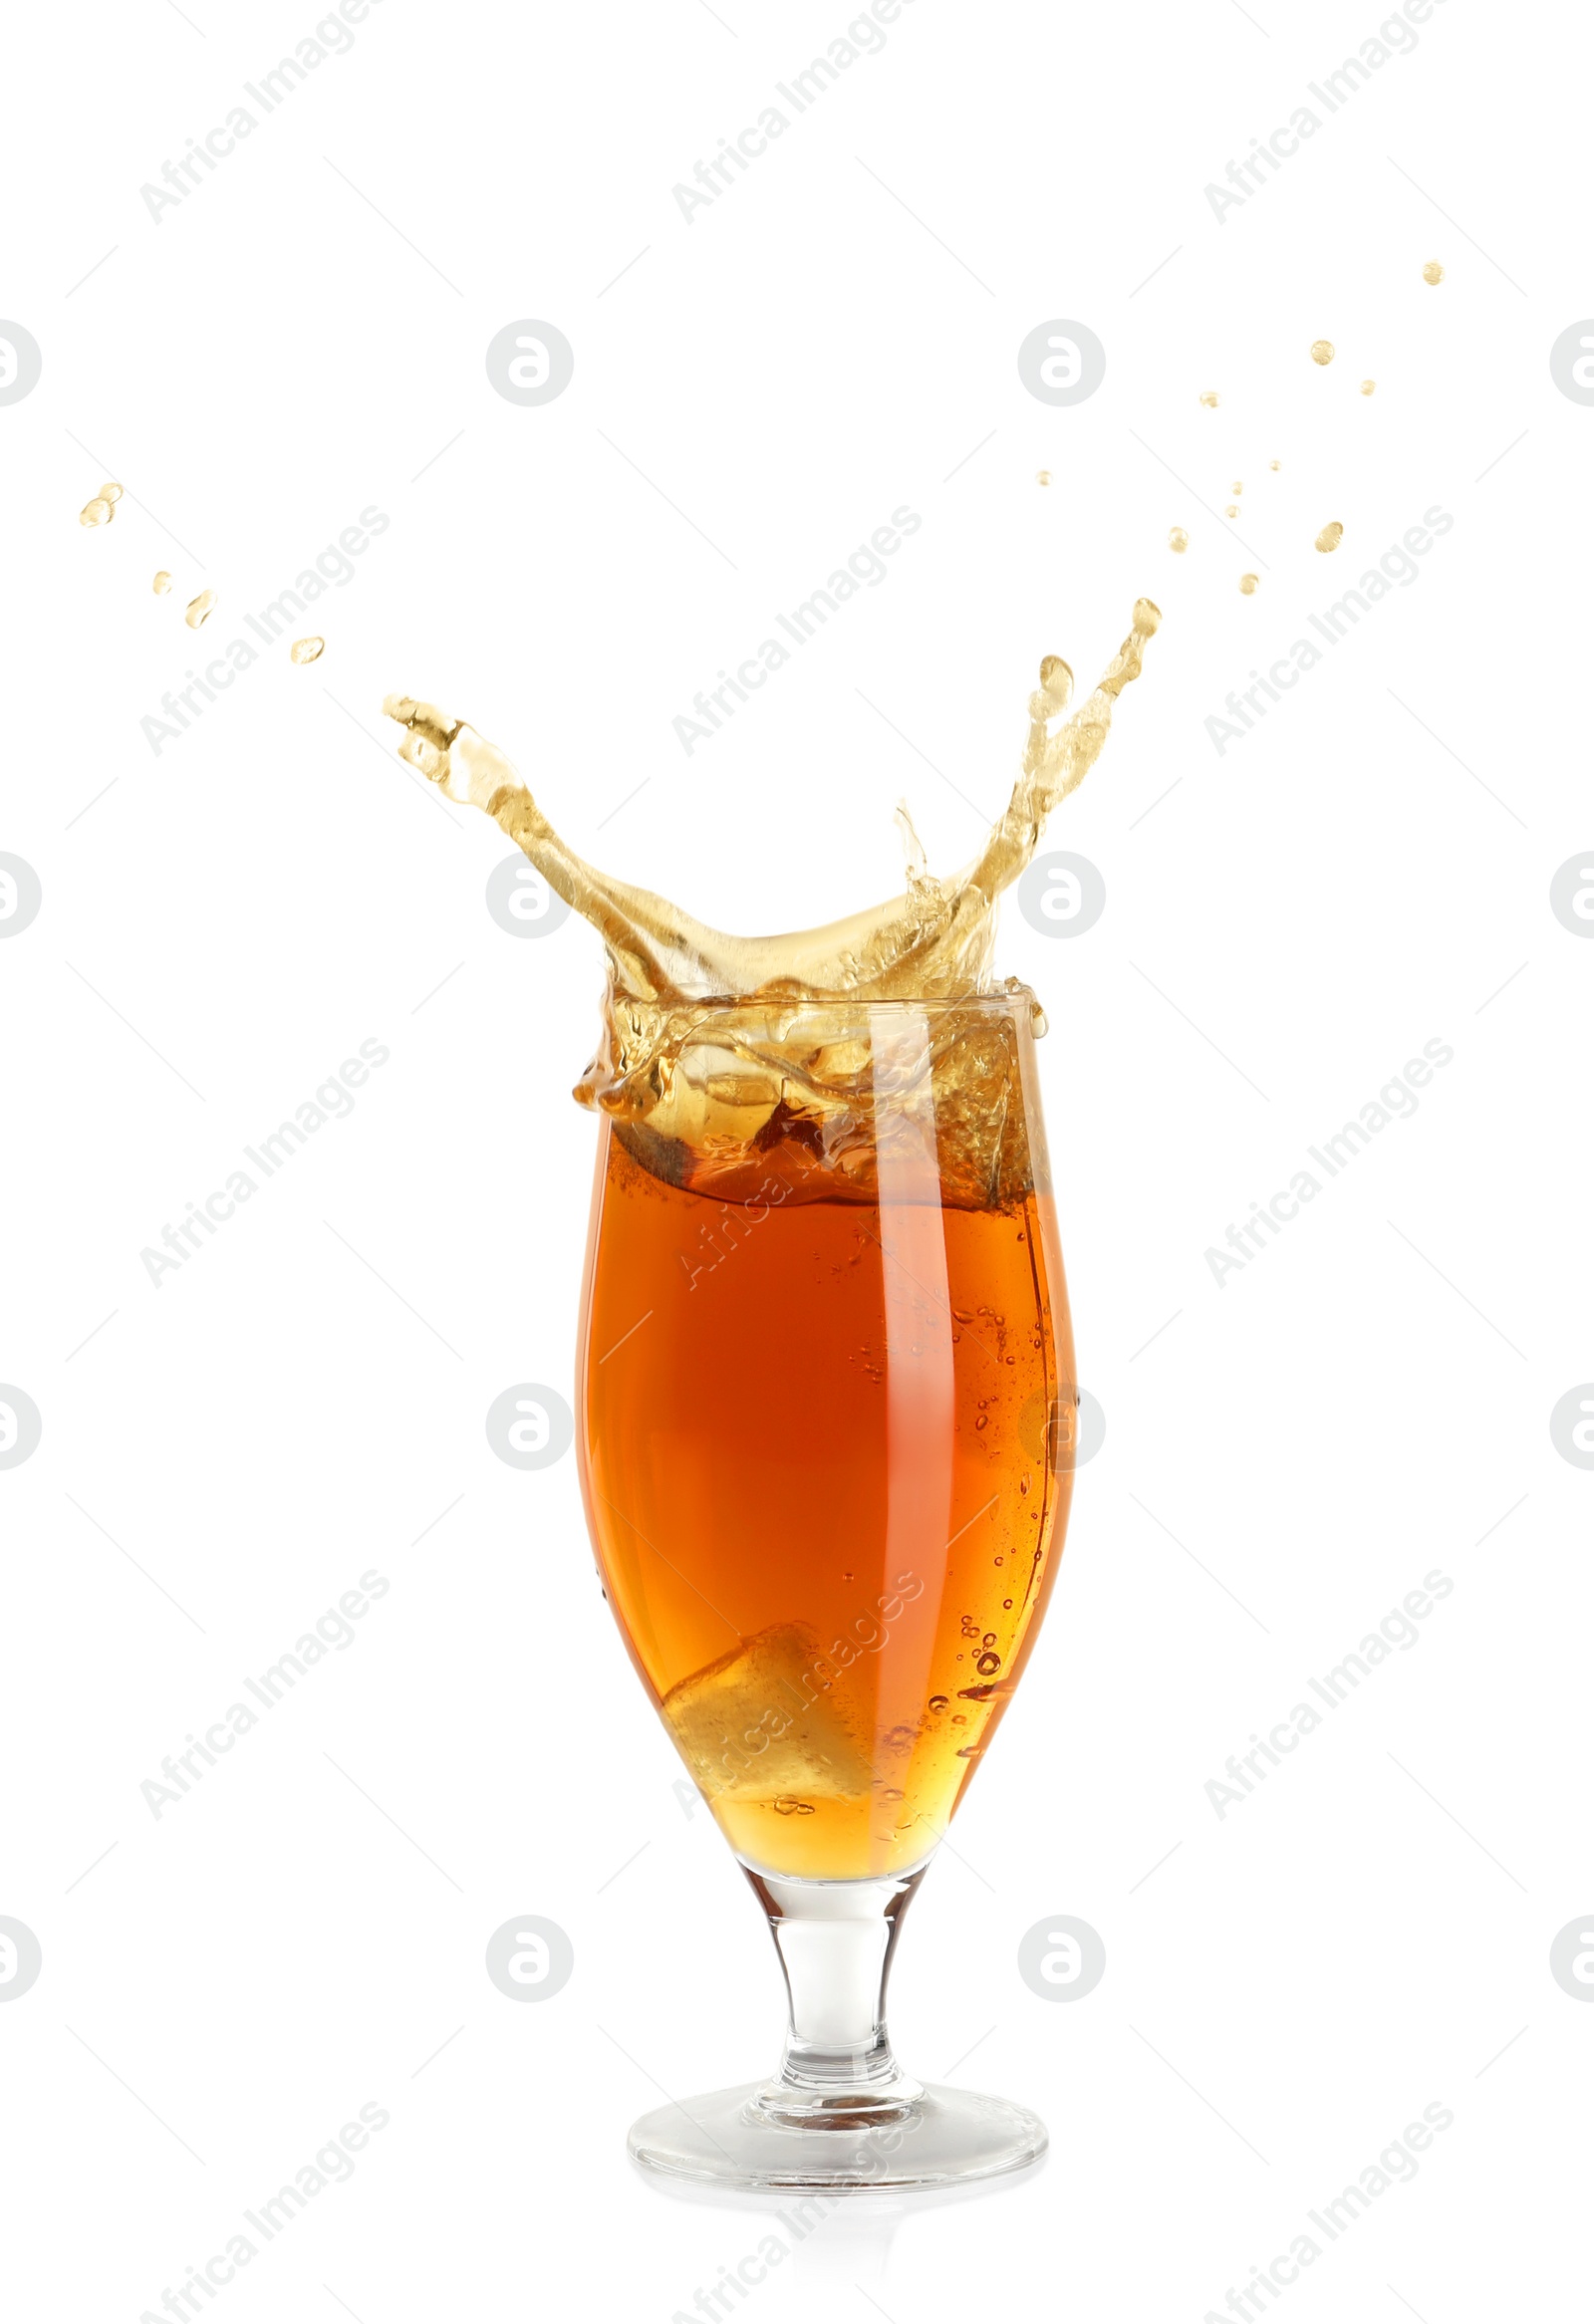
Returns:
<point x="1248" y="585"/>
<point x="1368" y="385"/>
<point x="1210" y="398"/>
<point x="1236" y="489"/>
<point x="96" y="512"/>
<point x="1274" y="464"/>
<point x="1433" y="272"/>
<point x="161" y="584"/>
<point x="1043" y="475"/>
<point x="1329" y="538"/>
<point x="305" y="650"/>
<point x="110" y="492"/>
<point x="1178" y="540"/>
<point x="1231" y="510"/>
<point x="199" y="608"/>
<point x="1322" y="350"/>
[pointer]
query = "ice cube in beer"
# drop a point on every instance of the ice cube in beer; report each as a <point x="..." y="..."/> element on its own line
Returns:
<point x="764" y="1722"/>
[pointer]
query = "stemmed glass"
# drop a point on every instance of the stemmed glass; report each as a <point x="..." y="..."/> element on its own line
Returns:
<point x="827" y="1409"/>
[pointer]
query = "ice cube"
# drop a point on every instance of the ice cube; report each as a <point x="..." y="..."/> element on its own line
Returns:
<point x="765" y="1721"/>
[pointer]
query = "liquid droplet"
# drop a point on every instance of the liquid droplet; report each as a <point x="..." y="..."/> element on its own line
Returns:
<point x="96" y="512"/>
<point x="1043" y="475"/>
<point x="1330" y="538"/>
<point x="110" y="492"/>
<point x="161" y="584"/>
<point x="1274" y="464"/>
<point x="1210" y="398"/>
<point x="1322" y="350"/>
<point x="1248" y="583"/>
<point x="305" y="650"/>
<point x="199" y="608"/>
<point x="1368" y="385"/>
<point x="794" y="1807"/>
<point x="1178" y="540"/>
<point x="1433" y="272"/>
<point x="1231" y="510"/>
<point x="1236" y="489"/>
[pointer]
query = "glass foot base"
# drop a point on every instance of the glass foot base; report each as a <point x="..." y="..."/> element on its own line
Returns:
<point x="938" y="2137"/>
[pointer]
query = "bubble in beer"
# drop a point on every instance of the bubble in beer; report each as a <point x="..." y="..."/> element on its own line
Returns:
<point x="1210" y="398"/>
<point x="1178" y="540"/>
<point x="1043" y="475"/>
<point x="199" y="608"/>
<point x="95" y="512"/>
<point x="161" y="584"/>
<point x="1433" y="272"/>
<point x="1368" y="385"/>
<point x="1249" y="583"/>
<point x="110" y="492"/>
<point x="305" y="650"/>
<point x="1329" y="539"/>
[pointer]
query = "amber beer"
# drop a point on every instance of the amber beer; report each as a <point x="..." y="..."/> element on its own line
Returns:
<point x="827" y="1416"/>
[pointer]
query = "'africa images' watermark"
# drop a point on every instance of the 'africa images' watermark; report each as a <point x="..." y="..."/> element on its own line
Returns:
<point x="1394" y="37"/>
<point x="333" y="2164"/>
<point x="1396" y="1101"/>
<point x="333" y="1100"/>
<point x="1395" y="2166"/>
<point x="333" y="1632"/>
<point x="332" y="568"/>
<point x="1396" y="566"/>
<point x="331" y="38"/>
<point x="863" y="38"/>
<point x="864" y="568"/>
<point x="1396" y="1631"/>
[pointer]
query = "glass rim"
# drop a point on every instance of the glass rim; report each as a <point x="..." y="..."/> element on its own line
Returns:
<point x="1006" y="999"/>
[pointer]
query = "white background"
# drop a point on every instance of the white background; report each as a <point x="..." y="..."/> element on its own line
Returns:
<point x="303" y="337"/>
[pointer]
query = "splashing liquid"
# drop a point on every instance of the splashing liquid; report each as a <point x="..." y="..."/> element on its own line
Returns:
<point x="668" y="971"/>
<point x="769" y="1137"/>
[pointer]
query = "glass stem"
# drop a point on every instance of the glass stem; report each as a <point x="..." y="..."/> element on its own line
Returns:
<point x="836" y="1940"/>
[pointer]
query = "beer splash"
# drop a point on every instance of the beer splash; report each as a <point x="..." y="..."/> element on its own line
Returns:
<point x="699" y="1117"/>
